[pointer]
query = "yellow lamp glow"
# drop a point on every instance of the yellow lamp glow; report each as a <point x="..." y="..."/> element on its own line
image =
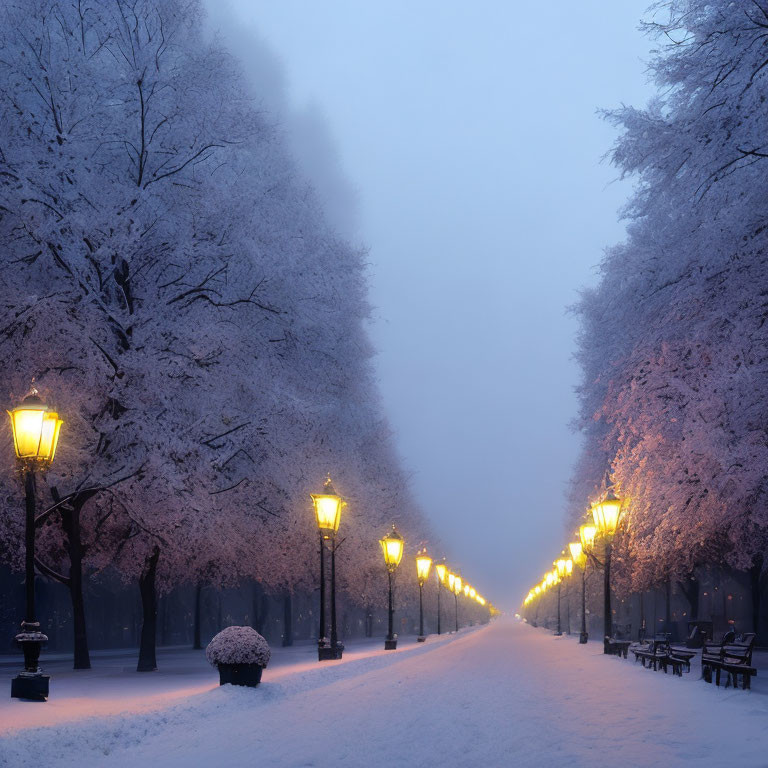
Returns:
<point x="537" y="589"/>
<point x="568" y="567"/>
<point x="577" y="553"/>
<point x="35" y="430"/>
<point x="607" y="513"/>
<point x="328" y="506"/>
<point x="457" y="585"/>
<point x="423" y="565"/>
<point x="472" y="593"/>
<point x="560" y="565"/>
<point x="587" y="533"/>
<point x="441" y="571"/>
<point x="392" y="547"/>
<point x="466" y="590"/>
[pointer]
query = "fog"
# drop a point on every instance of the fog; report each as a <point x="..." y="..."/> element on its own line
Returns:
<point x="460" y="143"/>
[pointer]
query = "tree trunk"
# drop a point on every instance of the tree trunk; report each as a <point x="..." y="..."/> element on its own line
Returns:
<point x="147" y="649"/>
<point x="690" y="588"/>
<point x="70" y="519"/>
<point x="196" y="644"/>
<point x="368" y="621"/>
<point x="260" y="608"/>
<point x="287" y="620"/>
<point x="668" y="606"/>
<point x="755" y="583"/>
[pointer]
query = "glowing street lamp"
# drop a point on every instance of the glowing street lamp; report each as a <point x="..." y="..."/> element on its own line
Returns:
<point x="35" y="436"/>
<point x="442" y="574"/>
<point x="392" y="548"/>
<point x="559" y="574"/>
<point x="607" y="515"/>
<point x="580" y="560"/>
<point x="587" y="534"/>
<point x="456" y="593"/>
<point x="328" y="506"/>
<point x="423" y="566"/>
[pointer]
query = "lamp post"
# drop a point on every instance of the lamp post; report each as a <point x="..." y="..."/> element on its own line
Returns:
<point x="452" y="590"/>
<point x="328" y="506"/>
<point x="440" y="571"/>
<point x="560" y="566"/>
<point x="35" y="435"/>
<point x="423" y="566"/>
<point x="392" y="547"/>
<point x="456" y="593"/>
<point x="607" y="515"/>
<point x="587" y="533"/>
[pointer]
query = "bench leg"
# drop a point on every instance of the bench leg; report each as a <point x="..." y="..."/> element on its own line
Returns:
<point x="717" y="676"/>
<point x="706" y="674"/>
<point x="747" y="681"/>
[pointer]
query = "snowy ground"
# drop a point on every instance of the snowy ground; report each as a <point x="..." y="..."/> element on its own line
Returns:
<point x="504" y="695"/>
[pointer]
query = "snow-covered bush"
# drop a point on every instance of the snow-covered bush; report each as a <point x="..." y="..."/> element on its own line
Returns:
<point x="238" y="645"/>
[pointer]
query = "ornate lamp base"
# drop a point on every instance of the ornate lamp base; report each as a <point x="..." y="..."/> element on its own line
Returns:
<point x="30" y="684"/>
<point x="421" y="639"/>
<point x="390" y="645"/>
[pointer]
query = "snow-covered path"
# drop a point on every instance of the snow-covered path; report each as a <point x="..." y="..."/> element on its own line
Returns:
<point x="502" y="695"/>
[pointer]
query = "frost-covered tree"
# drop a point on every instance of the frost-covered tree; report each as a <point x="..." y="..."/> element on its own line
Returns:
<point x="171" y="286"/>
<point x="673" y="341"/>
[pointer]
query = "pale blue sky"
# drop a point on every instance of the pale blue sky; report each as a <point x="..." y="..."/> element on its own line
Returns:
<point x="460" y="142"/>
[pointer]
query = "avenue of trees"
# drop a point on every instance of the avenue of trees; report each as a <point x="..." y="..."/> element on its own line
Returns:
<point x="674" y="338"/>
<point x="170" y="285"/>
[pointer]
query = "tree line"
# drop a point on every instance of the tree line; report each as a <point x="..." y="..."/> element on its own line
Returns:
<point x="170" y="284"/>
<point x="672" y="342"/>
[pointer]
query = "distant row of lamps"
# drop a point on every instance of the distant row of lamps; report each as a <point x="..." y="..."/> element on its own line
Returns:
<point x="36" y="430"/>
<point x="328" y="508"/>
<point x="606" y="514"/>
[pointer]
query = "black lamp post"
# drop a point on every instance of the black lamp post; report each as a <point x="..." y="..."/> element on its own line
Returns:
<point x="423" y="566"/>
<point x="328" y="506"/>
<point x="607" y="515"/>
<point x="581" y="552"/>
<point x="440" y="572"/>
<point x="392" y="547"/>
<point x="456" y="592"/>
<point x="35" y="435"/>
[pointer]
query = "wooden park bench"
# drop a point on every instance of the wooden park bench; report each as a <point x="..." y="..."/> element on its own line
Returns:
<point x="653" y="652"/>
<point x="677" y="658"/>
<point x="618" y="647"/>
<point x="734" y="657"/>
<point x="619" y="643"/>
<point x="659" y="654"/>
